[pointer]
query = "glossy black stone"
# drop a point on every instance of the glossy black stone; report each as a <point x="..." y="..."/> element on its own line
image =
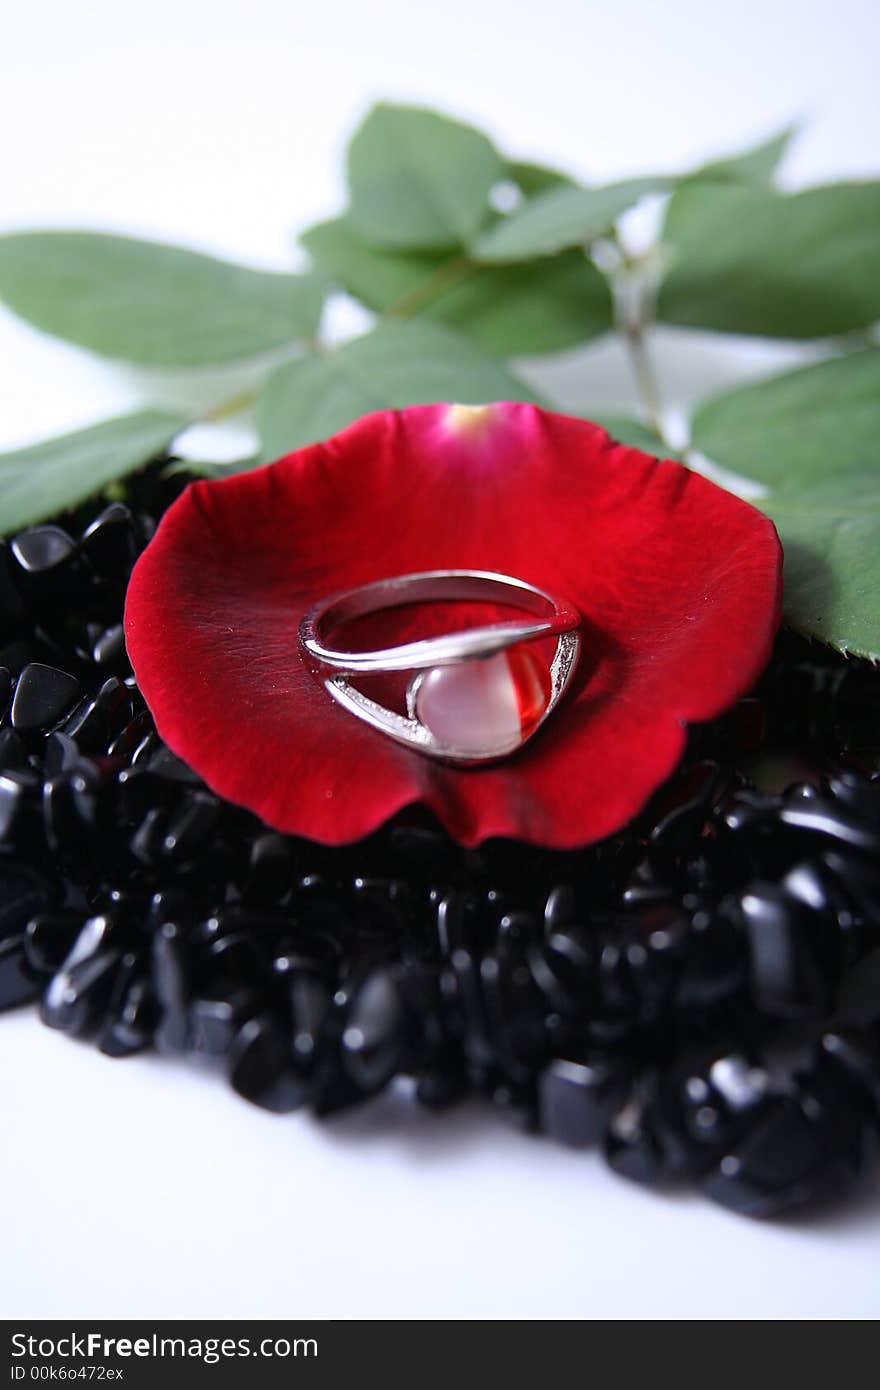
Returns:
<point x="110" y="542"/>
<point x="576" y="1099"/>
<point x="49" y="939"/>
<point x="19" y="789"/>
<point x="42" y="548"/>
<point x="42" y="695"/>
<point x="786" y="975"/>
<point x="794" y="1155"/>
<point x="19" y="983"/>
<point x="261" y="1069"/>
<point x="373" y="1041"/>
<point x="13" y="754"/>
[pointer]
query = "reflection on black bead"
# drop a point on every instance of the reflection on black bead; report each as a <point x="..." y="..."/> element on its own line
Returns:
<point x="261" y="1070"/>
<point x="42" y="695"/>
<point x="826" y="819"/>
<point x="42" y="548"/>
<point x="576" y="1098"/>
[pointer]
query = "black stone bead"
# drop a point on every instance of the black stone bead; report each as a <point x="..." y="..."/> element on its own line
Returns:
<point x="192" y="825"/>
<point x="23" y="893"/>
<point x="42" y="696"/>
<point x="854" y="1054"/>
<point x="19" y="983"/>
<point x="560" y="908"/>
<point x="793" y="1155"/>
<point x="13" y="754"/>
<point x="108" y="649"/>
<point x="60" y="755"/>
<point x="576" y="1098"/>
<point x="786" y="975"/>
<point x="110" y="542"/>
<point x="42" y="548"/>
<point x="19" y="791"/>
<point x="216" y="1018"/>
<point x="77" y="997"/>
<point x="374" y="1038"/>
<point x="830" y="821"/>
<point x="170" y="978"/>
<point x="631" y="1147"/>
<point x="49" y="939"/>
<point x="12" y="607"/>
<point x="269" y="871"/>
<point x="309" y="1002"/>
<point x="261" y="1069"/>
<point x="132" y="1012"/>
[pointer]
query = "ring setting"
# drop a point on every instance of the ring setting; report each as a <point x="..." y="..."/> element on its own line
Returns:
<point x="476" y="695"/>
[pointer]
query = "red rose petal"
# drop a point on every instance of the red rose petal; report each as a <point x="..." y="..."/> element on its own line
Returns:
<point x="678" y="580"/>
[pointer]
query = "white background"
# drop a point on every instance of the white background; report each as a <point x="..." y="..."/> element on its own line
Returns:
<point x="144" y="1188"/>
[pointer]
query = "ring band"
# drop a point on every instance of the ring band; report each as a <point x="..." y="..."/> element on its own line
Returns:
<point x="478" y="694"/>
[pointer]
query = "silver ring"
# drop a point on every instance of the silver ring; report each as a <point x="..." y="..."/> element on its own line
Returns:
<point x="478" y="694"/>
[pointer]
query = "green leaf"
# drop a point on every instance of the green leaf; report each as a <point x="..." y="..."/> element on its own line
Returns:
<point x="561" y="217"/>
<point x="537" y="178"/>
<point x="146" y="302"/>
<point x="811" y="437"/>
<point x="746" y="260"/>
<point x="756" y="165"/>
<point x="394" y="366"/>
<point x="634" y="433"/>
<point x="43" y="479"/>
<point x="831" y="540"/>
<point x="798" y="429"/>
<point x="418" y="179"/>
<point x="509" y="310"/>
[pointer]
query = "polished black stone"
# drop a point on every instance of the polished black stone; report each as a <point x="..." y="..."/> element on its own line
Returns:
<point x="786" y="974"/>
<point x="110" y="542"/>
<point x="374" y="1041"/>
<point x="49" y="939"/>
<point x="42" y="548"/>
<point x="19" y="983"/>
<point x="42" y="696"/>
<point x="132" y="1011"/>
<point x="792" y="1156"/>
<point x="13" y="754"/>
<point x="261" y="1068"/>
<point x="170" y="977"/>
<point x="19" y="789"/>
<point x="576" y="1098"/>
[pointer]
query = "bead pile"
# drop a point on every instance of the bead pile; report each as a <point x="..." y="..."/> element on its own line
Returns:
<point x="699" y="996"/>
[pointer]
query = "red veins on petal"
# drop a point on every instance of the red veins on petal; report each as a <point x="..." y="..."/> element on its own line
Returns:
<point x="678" y="582"/>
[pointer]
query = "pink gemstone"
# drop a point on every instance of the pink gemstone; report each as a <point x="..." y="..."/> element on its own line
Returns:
<point x="487" y="705"/>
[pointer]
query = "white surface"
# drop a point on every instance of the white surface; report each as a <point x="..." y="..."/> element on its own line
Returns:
<point x="143" y="1188"/>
